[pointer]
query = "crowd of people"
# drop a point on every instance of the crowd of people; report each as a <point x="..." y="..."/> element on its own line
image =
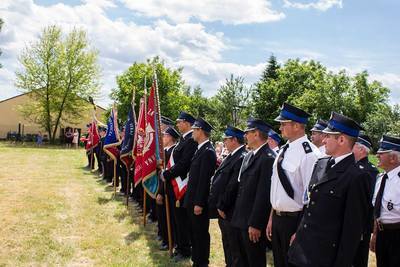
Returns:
<point x="313" y="202"/>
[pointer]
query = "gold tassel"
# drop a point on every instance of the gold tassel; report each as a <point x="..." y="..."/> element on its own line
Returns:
<point x="177" y="204"/>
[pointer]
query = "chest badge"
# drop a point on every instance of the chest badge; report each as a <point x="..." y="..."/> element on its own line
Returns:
<point x="390" y="206"/>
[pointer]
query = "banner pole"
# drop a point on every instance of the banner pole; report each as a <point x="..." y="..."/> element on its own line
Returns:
<point x="144" y="207"/>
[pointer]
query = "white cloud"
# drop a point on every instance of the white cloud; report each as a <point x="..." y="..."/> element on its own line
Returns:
<point x="392" y="81"/>
<point x="321" y="5"/>
<point x="227" y="11"/>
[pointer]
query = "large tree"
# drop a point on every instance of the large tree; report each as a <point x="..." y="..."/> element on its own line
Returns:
<point x="171" y="87"/>
<point x="59" y="73"/>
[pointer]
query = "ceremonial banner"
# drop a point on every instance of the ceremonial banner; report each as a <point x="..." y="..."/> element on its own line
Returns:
<point x="94" y="137"/>
<point x="111" y="140"/>
<point x="140" y="135"/>
<point x="150" y="150"/>
<point x="127" y="143"/>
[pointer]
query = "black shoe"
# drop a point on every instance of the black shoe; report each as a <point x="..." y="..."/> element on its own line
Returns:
<point x="164" y="247"/>
<point x="179" y="257"/>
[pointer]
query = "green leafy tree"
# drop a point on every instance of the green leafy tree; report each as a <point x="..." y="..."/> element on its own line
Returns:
<point x="171" y="87"/>
<point x="59" y="73"/>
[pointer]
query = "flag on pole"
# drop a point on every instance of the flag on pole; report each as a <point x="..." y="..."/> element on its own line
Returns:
<point x="179" y="184"/>
<point x="94" y="137"/>
<point x="140" y="135"/>
<point x="111" y="140"/>
<point x="151" y="153"/>
<point x="128" y="142"/>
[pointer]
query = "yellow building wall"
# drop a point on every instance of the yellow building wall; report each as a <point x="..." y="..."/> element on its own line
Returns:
<point x="10" y="118"/>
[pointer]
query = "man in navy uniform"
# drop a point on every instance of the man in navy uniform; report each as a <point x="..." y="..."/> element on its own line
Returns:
<point x="274" y="141"/>
<point x="182" y="158"/>
<point x="252" y="195"/>
<point x="220" y="206"/>
<point x="291" y="175"/>
<point x="338" y="202"/>
<point x="386" y="238"/>
<point x="361" y="149"/>
<point x="317" y="136"/>
<point x="170" y="137"/>
<point x="201" y="170"/>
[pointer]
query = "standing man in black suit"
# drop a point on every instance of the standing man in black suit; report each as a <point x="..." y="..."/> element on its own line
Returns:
<point x="361" y="150"/>
<point x="252" y="207"/>
<point x="181" y="158"/>
<point x="226" y="172"/>
<point x="338" y="202"/>
<point x="170" y="136"/>
<point x="201" y="170"/>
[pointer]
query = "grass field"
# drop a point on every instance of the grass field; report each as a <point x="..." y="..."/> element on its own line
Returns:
<point x="55" y="213"/>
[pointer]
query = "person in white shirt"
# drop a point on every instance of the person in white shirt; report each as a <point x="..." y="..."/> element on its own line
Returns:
<point x="385" y="241"/>
<point x="317" y="136"/>
<point x="290" y="177"/>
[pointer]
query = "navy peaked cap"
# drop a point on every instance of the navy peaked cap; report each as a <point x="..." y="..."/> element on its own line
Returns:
<point x="292" y="113"/>
<point x="172" y="132"/>
<point x="233" y="132"/>
<point x="257" y="124"/>
<point x="167" y="121"/>
<point x="274" y="135"/>
<point x="389" y="144"/>
<point x="339" y="124"/>
<point x="319" y="126"/>
<point x="200" y="123"/>
<point x="183" y="116"/>
<point x="364" y="139"/>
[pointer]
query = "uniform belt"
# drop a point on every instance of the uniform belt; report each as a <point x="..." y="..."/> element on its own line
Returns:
<point x="287" y="213"/>
<point x="388" y="226"/>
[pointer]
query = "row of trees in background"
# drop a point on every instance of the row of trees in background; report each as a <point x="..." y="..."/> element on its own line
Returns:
<point x="61" y="72"/>
<point x="307" y="84"/>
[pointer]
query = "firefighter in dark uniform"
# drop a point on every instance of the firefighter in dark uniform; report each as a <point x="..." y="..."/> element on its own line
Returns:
<point x="170" y="137"/>
<point x="361" y="149"/>
<point x="317" y="136"/>
<point x="386" y="238"/>
<point x="337" y="202"/>
<point x="202" y="168"/>
<point x="252" y="205"/>
<point x="274" y="141"/>
<point x="219" y="205"/>
<point x="182" y="157"/>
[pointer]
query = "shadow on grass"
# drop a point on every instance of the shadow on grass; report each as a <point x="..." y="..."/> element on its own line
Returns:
<point x="103" y="200"/>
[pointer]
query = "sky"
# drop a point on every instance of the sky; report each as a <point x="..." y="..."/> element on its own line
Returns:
<point x="212" y="39"/>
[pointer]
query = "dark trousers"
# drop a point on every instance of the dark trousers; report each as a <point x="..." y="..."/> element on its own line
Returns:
<point x="251" y="254"/>
<point x="283" y="227"/>
<point x="230" y="243"/>
<point x="183" y="245"/>
<point x="109" y="171"/>
<point x="361" y="258"/>
<point x="200" y="237"/>
<point x="388" y="248"/>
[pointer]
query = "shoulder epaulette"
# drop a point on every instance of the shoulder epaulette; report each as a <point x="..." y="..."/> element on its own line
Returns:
<point x="307" y="147"/>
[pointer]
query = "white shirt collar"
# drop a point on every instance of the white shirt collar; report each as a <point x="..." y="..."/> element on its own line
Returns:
<point x="256" y="150"/>
<point x="185" y="134"/>
<point x="394" y="172"/>
<point x="200" y="145"/>
<point x="340" y="158"/>
<point x="236" y="150"/>
<point x="168" y="147"/>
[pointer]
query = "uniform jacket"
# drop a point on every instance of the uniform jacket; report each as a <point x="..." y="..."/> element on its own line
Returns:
<point x="334" y="219"/>
<point x="167" y="155"/>
<point x="252" y="205"/>
<point x="201" y="170"/>
<point x="228" y="170"/>
<point x="182" y="154"/>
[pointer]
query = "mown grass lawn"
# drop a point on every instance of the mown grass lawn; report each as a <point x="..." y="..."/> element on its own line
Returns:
<point x="53" y="212"/>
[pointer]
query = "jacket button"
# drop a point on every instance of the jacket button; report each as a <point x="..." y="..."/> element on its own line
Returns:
<point x="309" y="214"/>
<point x="312" y="202"/>
<point x="333" y="245"/>
<point x="331" y="191"/>
<point x="316" y="190"/>
<point x="305" y="226"/>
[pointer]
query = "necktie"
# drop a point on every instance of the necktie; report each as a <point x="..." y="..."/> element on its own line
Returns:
<point x="379" y="196"/>
<point x="331" y="162"/>
<point x="282" y="175"/>
<point x="245" y="162"/>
